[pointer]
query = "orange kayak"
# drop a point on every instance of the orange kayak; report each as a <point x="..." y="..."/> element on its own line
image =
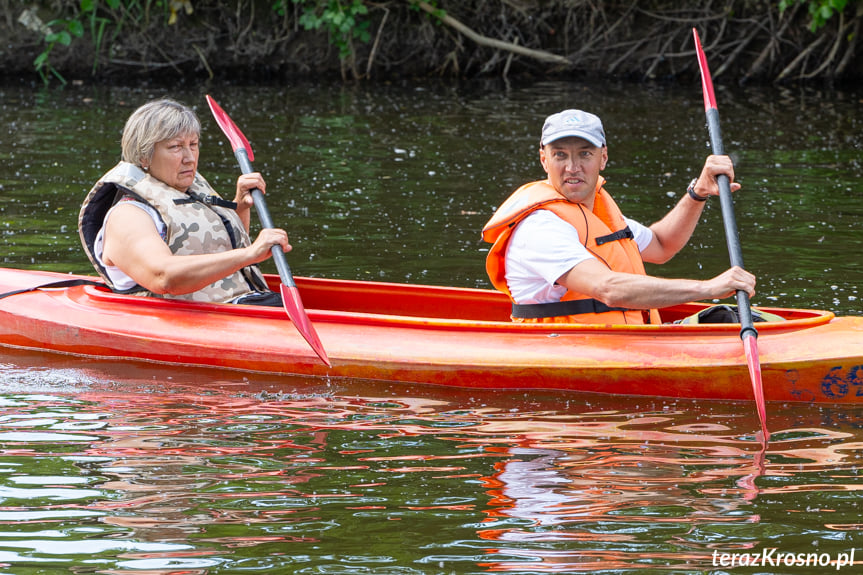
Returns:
<point x="443" y="336"/>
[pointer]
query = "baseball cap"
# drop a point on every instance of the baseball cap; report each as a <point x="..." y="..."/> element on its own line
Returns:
<point x="571" y="123"/>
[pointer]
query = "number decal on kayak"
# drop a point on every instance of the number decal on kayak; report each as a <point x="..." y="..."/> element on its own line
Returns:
<point x="854" y="378"/>
<point x="793" y="376"/>
<point x="837" y="382"/>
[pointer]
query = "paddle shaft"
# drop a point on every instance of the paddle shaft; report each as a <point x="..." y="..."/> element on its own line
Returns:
<point x="748" y="334"/>
<point x="266" y="221"/>
<point x="731" y="237"/>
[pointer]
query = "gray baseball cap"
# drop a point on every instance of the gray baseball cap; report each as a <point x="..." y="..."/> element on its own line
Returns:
<point x="571" y="123"/>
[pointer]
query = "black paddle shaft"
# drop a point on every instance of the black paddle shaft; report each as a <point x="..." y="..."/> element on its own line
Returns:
<point x="266" y="221"/>
<point x="731" y="237"/>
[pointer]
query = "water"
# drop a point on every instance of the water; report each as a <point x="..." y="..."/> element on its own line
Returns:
<point x="173" y="472"/>
<point x="394" y="182"/>
<point x="136" y="468"/>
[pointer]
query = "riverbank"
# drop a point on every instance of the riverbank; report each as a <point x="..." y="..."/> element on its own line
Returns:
<point x="361" y="40"/>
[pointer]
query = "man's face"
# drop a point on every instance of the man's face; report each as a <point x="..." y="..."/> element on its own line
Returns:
<point x="573" y="166"/>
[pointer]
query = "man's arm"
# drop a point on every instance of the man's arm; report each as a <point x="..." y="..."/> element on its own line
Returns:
<point x="635" y="291"/>
<point x="673" y="231"/>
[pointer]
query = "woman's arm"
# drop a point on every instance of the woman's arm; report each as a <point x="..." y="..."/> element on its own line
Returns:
<point x="133" y="244"/>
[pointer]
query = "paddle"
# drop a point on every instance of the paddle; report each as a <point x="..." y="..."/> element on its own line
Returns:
<point x="290" y="295"/>
<point x="747" y="332"/>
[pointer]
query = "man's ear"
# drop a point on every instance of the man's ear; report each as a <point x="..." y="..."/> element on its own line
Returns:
<point x="542" y="159"/>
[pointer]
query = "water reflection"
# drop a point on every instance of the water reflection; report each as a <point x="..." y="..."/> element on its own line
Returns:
<point x="168" y="472"/>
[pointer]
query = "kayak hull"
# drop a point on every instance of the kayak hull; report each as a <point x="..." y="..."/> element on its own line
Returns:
<point x="442" y="336"/>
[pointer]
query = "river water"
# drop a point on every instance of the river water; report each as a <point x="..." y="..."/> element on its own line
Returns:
<point x="136" y="468"/>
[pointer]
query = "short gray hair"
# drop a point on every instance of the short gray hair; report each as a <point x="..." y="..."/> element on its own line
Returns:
<point x="154" y="122"/>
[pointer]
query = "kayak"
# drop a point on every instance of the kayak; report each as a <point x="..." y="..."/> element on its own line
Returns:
<point x="448" y="336"/>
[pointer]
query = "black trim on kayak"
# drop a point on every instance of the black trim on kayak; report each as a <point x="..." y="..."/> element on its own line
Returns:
<point x="60" y="284"/>
<point x="559" y="308"/>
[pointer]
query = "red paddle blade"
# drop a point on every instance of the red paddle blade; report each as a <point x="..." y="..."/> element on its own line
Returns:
<point x="750" y="346"/>
<point x="235" y="136"/>
<point x="706" y="82"/>
<point x="294" y="307"/>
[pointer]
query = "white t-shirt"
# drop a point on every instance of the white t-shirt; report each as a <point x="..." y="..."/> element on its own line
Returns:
<point x="542" y="248"/>
<point x="119" y="278"/>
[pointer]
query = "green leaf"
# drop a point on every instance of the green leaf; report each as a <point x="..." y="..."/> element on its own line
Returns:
<point x="40" y="60"/>
<point x="76" y="28"/>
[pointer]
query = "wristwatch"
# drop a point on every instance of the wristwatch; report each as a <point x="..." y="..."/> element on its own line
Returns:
<point x="691" y="191"/>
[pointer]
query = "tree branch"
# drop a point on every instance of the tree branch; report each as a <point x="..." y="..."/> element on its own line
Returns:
<point x="540" y="55"/>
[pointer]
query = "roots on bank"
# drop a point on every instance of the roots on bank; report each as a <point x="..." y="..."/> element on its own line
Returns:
<point x="750" y="40"/>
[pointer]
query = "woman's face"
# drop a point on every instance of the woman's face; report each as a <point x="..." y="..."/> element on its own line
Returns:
<point x="175" y="161"/>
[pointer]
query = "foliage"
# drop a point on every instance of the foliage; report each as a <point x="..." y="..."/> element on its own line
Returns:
<point x="819" y="10"/>
<point x="341" y="18"/>
<point x="93" y="14"/>
<point x="436" y="12"/>
<point x="67" y="29"/>
<point x="463" y="38"/>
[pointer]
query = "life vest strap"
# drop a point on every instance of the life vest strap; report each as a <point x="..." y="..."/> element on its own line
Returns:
<point x="204" y="199"/>
<point x="561" y="308"/>
<point x="623" y="234"/>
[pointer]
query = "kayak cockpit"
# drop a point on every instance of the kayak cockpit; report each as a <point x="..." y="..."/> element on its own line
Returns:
<point x="411" y="305"/>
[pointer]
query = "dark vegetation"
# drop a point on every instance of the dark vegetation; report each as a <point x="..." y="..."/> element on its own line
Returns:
<point x="358" y="40"/>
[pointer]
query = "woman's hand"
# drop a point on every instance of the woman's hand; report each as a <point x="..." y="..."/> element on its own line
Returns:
<point x="245" y="184"/>
<point x="261" y="248"/>
<point x="243" y="198"/>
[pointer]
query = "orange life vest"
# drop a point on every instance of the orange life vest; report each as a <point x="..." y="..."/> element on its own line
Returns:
<point x="603" y="232"/>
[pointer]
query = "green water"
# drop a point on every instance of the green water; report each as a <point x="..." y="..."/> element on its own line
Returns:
<point x="395" y="182"/>
<point x="134" y="468"/>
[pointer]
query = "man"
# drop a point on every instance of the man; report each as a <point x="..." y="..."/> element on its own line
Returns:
<point x="563" y="251"/>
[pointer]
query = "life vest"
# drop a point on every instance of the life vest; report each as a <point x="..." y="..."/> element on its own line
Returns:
<point x="198" y="221"/>
<point x="603" y="232"/>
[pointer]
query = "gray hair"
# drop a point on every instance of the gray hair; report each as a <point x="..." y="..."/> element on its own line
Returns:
<point x="155" y="122"/>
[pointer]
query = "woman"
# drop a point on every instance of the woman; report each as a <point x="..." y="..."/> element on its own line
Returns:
<point x="153" y="226"/>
